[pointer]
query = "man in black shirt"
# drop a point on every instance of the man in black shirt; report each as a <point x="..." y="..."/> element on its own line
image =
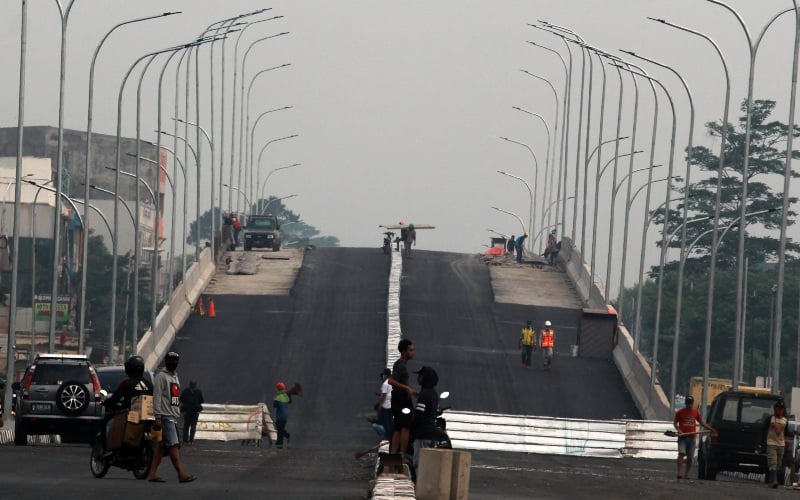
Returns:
<point x="423" y="421"/>
<point x="401" y="398"/>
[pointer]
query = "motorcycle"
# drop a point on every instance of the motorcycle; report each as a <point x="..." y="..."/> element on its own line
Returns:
<point x="387" y="242"/>
<point x="136" y="459"/>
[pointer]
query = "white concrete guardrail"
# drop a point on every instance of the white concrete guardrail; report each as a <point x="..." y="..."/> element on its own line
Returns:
<point x="560" y="436"/>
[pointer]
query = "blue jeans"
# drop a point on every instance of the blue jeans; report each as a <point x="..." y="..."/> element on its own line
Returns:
<point x="280" y="426"/>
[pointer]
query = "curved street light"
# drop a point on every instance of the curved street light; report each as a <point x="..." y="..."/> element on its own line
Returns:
<point x="513" y="214"/>
<point x="264" y="185"/>
<point x="86" y="176"/>
<point x="276" y="199"/>
<point x="530" y="195"/>
<point x="535" y="181"/>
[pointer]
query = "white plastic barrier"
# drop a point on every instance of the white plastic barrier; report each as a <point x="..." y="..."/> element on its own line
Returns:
<point x="227" y="422"/>
<point x="561" y="436"/>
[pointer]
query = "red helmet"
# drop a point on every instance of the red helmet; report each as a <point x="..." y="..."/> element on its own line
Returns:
<point x="281" y="386"/>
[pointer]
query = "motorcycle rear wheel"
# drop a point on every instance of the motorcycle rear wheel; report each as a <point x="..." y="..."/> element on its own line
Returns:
<point x="147" y="459"/>
<point x="98" y="466"/>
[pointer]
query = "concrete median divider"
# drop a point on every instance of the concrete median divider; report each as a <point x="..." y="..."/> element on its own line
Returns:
<point x="633" y="367"/>
<point x="156" y="341"/>
<point x="443" y="474"/>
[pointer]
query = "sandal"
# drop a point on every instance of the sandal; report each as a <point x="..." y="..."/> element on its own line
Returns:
<point x="188" y="479"/>
<point x="157" y="480"/>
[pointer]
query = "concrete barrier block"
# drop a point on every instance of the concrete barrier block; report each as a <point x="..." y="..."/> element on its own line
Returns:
<point x="443" y="474"/>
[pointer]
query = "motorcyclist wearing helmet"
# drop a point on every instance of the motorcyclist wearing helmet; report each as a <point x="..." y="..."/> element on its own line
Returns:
<point x="133" y="385"/>
<point x="775" y="441"/>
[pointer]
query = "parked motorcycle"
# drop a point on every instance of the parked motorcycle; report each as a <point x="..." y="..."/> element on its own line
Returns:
<point x="387" y="242"/>
<point x="136" y="459"/>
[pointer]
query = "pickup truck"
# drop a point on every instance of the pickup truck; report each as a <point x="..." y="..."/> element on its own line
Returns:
<point x="262" y="231"/>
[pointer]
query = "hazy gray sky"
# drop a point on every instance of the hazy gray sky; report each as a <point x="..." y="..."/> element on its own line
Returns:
<point x="400" y="105"/>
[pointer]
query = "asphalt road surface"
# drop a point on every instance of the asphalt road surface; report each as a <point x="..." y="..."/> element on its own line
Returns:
<point x="329" y="335"/>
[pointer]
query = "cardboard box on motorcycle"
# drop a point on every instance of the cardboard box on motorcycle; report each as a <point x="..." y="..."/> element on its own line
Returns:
<point x="128" y="427"/>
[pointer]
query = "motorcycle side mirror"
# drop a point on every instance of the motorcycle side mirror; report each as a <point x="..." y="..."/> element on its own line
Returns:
<point x="444" y="395"/>
<point x="15" y="386"/>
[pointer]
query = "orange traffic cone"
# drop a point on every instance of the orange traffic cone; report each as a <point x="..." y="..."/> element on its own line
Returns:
<point x="212" y="311"/>
<point x="200" y="307"/>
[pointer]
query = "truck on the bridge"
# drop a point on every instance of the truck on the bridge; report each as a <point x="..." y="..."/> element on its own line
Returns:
<point x="717" y="386"/>
<point x="262" y="231"/>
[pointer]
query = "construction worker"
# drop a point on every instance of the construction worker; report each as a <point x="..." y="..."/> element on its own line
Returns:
<point x="527" y="341"/>
<point x="518" y="246"/>
<point x="548" y="342"/>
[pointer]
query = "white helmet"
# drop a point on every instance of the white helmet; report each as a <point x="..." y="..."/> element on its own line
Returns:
<point x="547" y="323"/>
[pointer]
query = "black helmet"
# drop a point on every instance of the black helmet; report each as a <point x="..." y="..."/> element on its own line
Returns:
<point x="780" y="404"/>
<point x="134" y="367"/>
<point x="172" y="355"/>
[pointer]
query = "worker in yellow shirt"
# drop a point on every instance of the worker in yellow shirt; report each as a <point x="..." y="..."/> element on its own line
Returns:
<point x="548" y="342"/>
<point x="527" y="342"/>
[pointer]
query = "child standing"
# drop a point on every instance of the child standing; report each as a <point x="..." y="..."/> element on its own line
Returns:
<point x="281" y="405"/>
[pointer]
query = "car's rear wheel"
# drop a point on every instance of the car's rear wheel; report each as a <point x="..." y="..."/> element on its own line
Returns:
<point x="72" y="397"/>
<point x="275" y="248"/>
<point x="246" y="247"/>
<point x="705" y="468"/>
<point x="97" y="464"/>
<point x="20" y="434"/>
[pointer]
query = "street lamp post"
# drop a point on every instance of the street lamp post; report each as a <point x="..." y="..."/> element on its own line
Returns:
<point x="530" y="195"/>
<point x="264" y="185"/>
<point x="197" y="198"/>
<point x="679" y="297"/>
<point x="12" y="319"/>
<point x="64" y="13"/>
<point x="564" y="129"/>
<point x="522" y="225"/>
<point x="245" y="113"/>
<point x="233" y="107"/>
<point x="718" y="199"/>
<point x="683" y="256"/>
<point x="246" y="200"/>
<point x="86" y="177"/>
<point x="535" y="181"/>
<point x="666" y="205"/>
<point x="253" y="189"/>
<point x="546" y="167"/>
<point x="276" y="199"/>
<point x="753" y="50"/>
<point x="776" y="372"/>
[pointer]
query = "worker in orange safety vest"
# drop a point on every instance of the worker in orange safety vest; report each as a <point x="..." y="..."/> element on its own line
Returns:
<point x="547" y="342"/>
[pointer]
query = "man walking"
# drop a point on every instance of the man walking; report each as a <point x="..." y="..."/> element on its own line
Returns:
<point x="510" y="245"/>
<point x="548" y="342"/>
<point x="401" y="398"/>
<point x="411" y="239"/>
<point x="776" y="425"/>
<point x="167" y="408"/>
<point x="527" y="341"/>
<point x="191" y="406"/>
<point x="685" y="422"/>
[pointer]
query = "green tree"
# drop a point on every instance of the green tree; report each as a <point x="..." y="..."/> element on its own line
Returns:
<point x="767" y="160"/>
<point x="98" y="296"/>
<point x="292" y="227"/>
